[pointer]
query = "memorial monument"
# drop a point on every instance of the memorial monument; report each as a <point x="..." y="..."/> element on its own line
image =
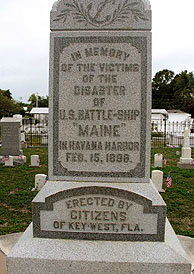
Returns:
<point x="186" y="162"/>
<point x="99" y="212"/>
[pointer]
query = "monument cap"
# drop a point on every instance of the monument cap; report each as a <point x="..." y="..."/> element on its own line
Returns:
<point x="101" y="15"/>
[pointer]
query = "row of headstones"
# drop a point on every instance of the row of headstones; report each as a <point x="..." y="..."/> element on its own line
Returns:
<point x="186" y="160"/>
<point x="159" y="160"/>
<point x="9" y="160"/>
<point x="157" y="179"/>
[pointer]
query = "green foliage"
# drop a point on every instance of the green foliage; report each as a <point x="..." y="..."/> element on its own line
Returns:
<point x="17" y="182"/>
<point x="6" y="93"/>
<point x="162" y="90"/>
<point x="15" y="192"/>
<point x="8" y="106"/>
<point x="37" y="101"/>
<point x="184" y="85"/>
<point x="179" y="197"/>
<point x="170" y="91"/>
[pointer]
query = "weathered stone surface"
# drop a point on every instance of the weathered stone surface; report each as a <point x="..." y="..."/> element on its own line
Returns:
<point x="158" y="160"/>
<point x="186" y="162"/>
<point x="186" y="138"/>
<point x="107" y="14"/>
<point x="9" y="162"/>
<point x="40" y="180"/>
<point x="185" y="166"/>
<point x="99" y="151"/>
<point x="17" y="160"/>
<point x="100" y="106"/>
<point x="157" y="179"/>
<point x="99" y="212"/>
<point x="35" y="160"/>
<point x="35" y="255"/>
<point x="11" y="138"/>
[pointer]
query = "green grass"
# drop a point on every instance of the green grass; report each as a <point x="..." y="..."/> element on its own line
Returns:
<point x="16" y="195"/>
<point x="180" y="196"/>
<point x="15" y="192"/>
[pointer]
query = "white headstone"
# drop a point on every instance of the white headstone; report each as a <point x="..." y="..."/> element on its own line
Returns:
<point x="157" y="179"/>
<point x="158" y="160"/>
<point x="35" y="160"/>
<point x="9" y="162"/>
<point x="40" y="180"/>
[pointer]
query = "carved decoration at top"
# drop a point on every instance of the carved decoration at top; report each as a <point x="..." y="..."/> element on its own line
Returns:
<point x="105" y="14"/>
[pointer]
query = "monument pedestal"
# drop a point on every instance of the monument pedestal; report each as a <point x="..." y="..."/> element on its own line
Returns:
<point x="185" y="166"/>
<point x="99" y="211"/>
<point x="186" y="154"/>
<point x="16" y="160"/>
<point x="35" y="255"/>
<point x="161" y="253"/>
<point x="185" y="159"/>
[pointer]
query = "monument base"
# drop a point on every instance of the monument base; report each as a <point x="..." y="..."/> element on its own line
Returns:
<point x="186" y="161"/>
<point x="185" y="166"/>
<point x="36" y="255"/>
<point x="161" y="190"/>
<point x="16" y="160"/>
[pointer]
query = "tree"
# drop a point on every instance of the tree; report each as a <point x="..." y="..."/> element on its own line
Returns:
<point x="184" y="84"/>
<point x="162" y="91"/>
<point x="37" y="101"/>
<point x="184" y="91"/>
<point x="8" y="106"/>
<point x="172" y="91"/>
<point x="44" y="101"/>
<point x="6" y="93"/>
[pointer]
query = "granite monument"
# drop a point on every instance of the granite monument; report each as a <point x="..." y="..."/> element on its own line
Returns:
<point x="99" y="211"/>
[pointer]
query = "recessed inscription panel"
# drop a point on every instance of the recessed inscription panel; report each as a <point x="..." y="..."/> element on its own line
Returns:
<point x="94" y="213"/>
<point x="99" y="110"/>
<point x="98" y="213"/>
<point x="100" y="89"/>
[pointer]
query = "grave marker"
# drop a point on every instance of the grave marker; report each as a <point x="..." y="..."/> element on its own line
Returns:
<point x="9" y="161"/>
<point x="158" y="160"/>
<point x="40" y="180"/>
<point x="35" y="160"/>
<point x="185" y="159"/>
<point x="157" y="179"/>
<point x="11" y="142"/>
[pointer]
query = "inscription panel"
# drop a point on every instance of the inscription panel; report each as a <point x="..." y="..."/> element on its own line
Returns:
<point x="99" y="107"/>
<point x="119" y="215"/>
<point x="98" y="214"/>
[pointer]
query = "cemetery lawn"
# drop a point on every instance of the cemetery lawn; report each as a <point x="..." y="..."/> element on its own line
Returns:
<point x="15" y="192"/>
<point x="16" y="195"/>
<point x="180" y="196"/>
